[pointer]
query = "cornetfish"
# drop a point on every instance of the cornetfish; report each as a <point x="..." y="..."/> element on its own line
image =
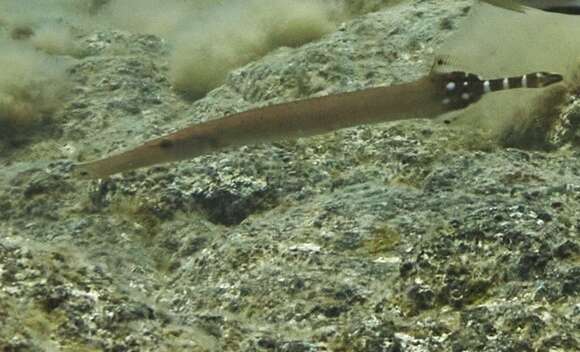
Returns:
<point x="431" y="96"/>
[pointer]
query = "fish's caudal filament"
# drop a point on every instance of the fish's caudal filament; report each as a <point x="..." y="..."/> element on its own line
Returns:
<point x="463" y="88"/>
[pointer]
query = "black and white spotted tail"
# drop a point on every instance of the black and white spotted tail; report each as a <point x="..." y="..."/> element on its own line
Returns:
<point x="462" y="88"/>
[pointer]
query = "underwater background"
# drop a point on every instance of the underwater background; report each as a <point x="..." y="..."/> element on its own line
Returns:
<point x="415" y="236"/>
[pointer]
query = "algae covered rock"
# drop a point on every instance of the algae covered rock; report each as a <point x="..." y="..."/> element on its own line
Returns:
<point x="411" y="236"/>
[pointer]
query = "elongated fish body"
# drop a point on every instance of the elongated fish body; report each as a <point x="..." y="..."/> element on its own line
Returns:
<point x="429" y="97"/>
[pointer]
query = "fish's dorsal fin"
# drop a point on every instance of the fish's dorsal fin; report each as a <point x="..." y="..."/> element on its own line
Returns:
<point x="445" y="64"/>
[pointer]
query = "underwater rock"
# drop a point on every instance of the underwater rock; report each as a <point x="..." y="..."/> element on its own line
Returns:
<point x="417" y="235"/>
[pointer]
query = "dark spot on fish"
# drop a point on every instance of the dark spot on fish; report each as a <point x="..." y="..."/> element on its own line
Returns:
<point x="165" y="144"/>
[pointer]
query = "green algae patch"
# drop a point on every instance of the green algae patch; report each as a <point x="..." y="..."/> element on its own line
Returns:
<point x="384" y="239"/>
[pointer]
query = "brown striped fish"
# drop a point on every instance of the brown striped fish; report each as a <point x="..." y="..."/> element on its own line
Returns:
<point x="431" y="96"/>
